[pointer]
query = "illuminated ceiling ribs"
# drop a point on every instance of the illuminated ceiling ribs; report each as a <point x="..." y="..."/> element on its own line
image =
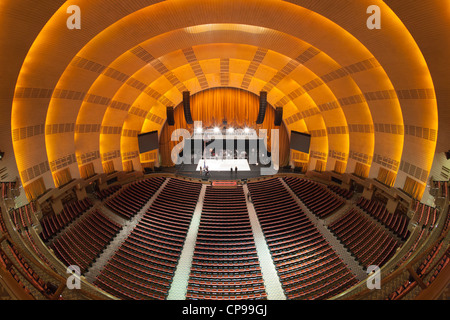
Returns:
<point x="94" y="89"/>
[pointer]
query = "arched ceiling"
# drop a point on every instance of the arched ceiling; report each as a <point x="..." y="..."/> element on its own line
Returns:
<point x="84" y="95"/>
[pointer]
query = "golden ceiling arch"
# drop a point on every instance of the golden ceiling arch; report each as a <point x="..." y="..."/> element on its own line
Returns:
<point x="358" y="89"/>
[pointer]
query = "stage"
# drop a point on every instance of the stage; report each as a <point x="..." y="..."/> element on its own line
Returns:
<point x="221" y="170"/>
<point x="224" y="165"/>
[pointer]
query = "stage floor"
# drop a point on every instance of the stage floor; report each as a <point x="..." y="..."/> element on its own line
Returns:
<point x="224" y="164"/>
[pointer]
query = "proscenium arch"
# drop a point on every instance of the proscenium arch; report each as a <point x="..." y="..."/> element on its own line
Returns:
<point x="403" y="80"/>
<point x="209" y="107"/>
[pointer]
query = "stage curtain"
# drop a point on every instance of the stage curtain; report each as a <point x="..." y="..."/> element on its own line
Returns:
<point x="339" y="167"/>
<point x="108" y="167"/>
<point x="386" y="176"/>
<point x="128" y="166"/>
<point x="62" y="177"/>
<point x="320" y="166"/>
<point x="87" y="171"/>
<point x="361" y="170"/>
<point x="413" y="188"/>
<point x="35" y="189"/>
<point x="238" y="107"/>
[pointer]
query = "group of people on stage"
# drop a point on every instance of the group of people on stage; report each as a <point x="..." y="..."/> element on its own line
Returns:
<point x="204" y="170"/>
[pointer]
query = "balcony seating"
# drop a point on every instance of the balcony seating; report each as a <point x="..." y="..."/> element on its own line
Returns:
<point x="225" y="264"/>
<point x="86" y="240"/>
<point x="22" y="217"/>
<point x="364" y="238"/>
<point x="425" y="215"/>
<point x="344" y="193"/>
<point x="143" y="266"/>
<point x="6" y="263"/>
<point x="396" y="222"/>
<point x="103" y="194"/>
<point x="5" y="187"/>
<point x="307" y="265"/>
<point x="319" y="199"/>
<point x="53" y="224"/>
<point x="423" y="269"/>
<point x="130" y="200"/>
<point x="45" y="288"/>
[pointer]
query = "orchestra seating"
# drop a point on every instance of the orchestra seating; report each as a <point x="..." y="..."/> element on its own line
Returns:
<point x="130" y="200"/>
<point x="307" y="265"/>
<point x="83" y="242"/>
<point x="344" y="193"/>
<point x="425" y="215"/>
<point x="144" y="265"/>
<point x="364" y="238"/>
<point x="319" y="199"/>
<point x="225" y="263"/>
<point x="52" y="224"/>
<point x="396" y="222"/>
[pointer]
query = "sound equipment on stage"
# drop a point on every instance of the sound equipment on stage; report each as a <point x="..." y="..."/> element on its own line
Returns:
<point x="278" y="116"/>
<point x="170" y="118"/>
<point x="187" y="107"/>
<point x="262" y="107"/>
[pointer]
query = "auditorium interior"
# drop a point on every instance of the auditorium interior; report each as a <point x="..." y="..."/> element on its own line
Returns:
<point x="91" y="211"/>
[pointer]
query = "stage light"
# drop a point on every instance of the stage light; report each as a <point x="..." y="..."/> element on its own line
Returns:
<point x="216" y="129"/>
<point x="199" y="130"/>
<point x="230" y="130"/>
<point x="246" y="130"/>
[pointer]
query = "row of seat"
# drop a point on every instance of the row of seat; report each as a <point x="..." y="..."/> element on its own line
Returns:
<point x="130" y="200"/>
<point x="396" y="222"/>
<point x="53" y="224"/>
<point x="45" y="288"/>
<point x="423" y="234"/>
<point x="7" y="264"/>
<point x="28" y="238"/>
<point x="2" y="223"/>
<point x="442" y="188"/>
<point x="5" y="187"/>
<point x="225" y="244"/>
<point x="143" y="266"/>
<point x="425" y="215"/>
<point x="345" y="193"/>
<point x="422" y="270"/>
<point x="307" y="265"/>
<point x="319" y="199"/>
<point x="85" y="240"/>
<point x="103" y="194"/>
<point x="22" y="217"/>
<point x="367" y="241"/>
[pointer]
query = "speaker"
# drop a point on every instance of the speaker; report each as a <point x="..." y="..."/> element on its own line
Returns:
<point x="262" y="107"/>
<point x="170" y="118"/>
<point x="278" y="116"/>
<point x="187" y="107"/>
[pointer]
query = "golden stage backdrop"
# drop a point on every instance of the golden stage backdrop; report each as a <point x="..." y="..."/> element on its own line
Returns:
<point x="238" y="107"/>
